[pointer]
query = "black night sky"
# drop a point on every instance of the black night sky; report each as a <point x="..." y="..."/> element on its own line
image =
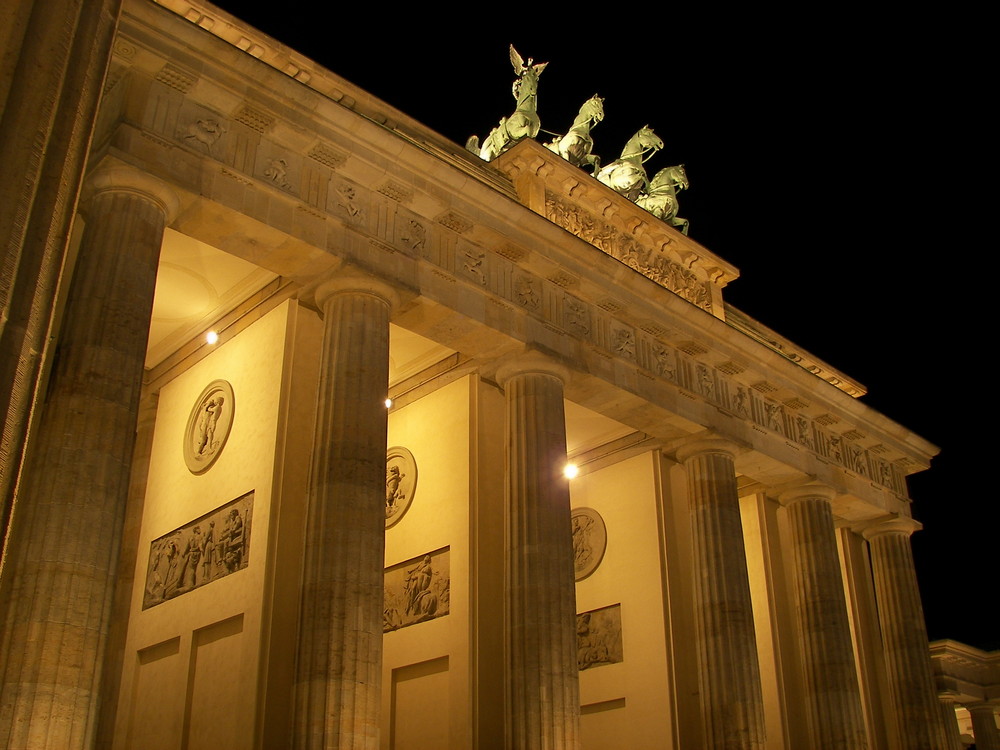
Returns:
<point x="834" y="157"/>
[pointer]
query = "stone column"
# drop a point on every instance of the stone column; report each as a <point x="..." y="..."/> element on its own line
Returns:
<point x="543" y="688"/>
<point x="339" y="669"/>
<point x="728" y="671"/>
<point x="904" y="635"/>
<point x="57" y="583"/>
<point x="951" y="728"/>
<point x="833" y="696"/>
<point x="984" y="725"/>
<point x="53" y="59"/>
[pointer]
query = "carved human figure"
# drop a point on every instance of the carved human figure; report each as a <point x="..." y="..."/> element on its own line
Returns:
<point x="583" y="549"/>
<point x="418" y="584"/>
<point x="232" y="541"/>
<point x="206" y="426"/>
<point x="393" y="478"/>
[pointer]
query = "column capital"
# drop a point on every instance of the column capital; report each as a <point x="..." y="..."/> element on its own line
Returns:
<point x="530" y="362"/>
<point x="122" y="178"/>
<point x="895" y="525"/>
<point x="352" y="280"/>
<point x="703" y="445"/>
<point x="806" y="491"/>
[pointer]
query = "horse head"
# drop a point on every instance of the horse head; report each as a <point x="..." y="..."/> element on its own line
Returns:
<point x="648" y="139"/>
<point x="593" y="108"/>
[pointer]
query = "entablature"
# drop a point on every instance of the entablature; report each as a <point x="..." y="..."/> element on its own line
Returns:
<point x="300" y="185"/>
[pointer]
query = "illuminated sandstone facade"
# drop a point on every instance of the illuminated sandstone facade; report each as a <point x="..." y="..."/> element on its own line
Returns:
<point x="223" y="576"/>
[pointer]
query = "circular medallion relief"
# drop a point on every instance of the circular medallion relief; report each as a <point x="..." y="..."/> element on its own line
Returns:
<point x="590" y="539"/>
<point x="208" y="426"/>
<point x="400" y="483"/>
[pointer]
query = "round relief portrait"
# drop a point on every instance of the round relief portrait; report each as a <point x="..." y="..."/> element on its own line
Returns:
<point x="208" y="426"/>
<point x="590" y="540"/>
<point x="400" y="483"/>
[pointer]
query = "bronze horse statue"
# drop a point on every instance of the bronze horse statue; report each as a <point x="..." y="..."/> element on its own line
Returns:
<point x="626" y="175"/>
<point x="576" y="146"/>
<point x="524" y="122"/>
<point x="661" y="197"/>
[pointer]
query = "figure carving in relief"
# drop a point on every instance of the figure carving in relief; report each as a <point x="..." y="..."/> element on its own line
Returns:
<point x="661" y="197"/>
<point x="583" y="550"/>
<point x="277" y="172"/>
<point x="835" y="449"/>
<point x="393" y="492"/>
<point x="524" y="122"/>
<point x="348" y="202"/>
<point x="741" y="402"/>
<point x="598" y="637"/>
<point x="858" y="462"/>
<point x="207" y="443"/>
<point x="413" y="234"/>
<point x="416" y="590"/>
<point x="205" y="132"/>
<point x="576" y="146"/>
<point x="805" y="438"/>
<point x="624" y="343"/>
<point x="576" y="315"/>
<point x="231" y="542"/>
<point x="664" y="361"/>
<point x="192" y="556"/>
<point x="774" y="414"/>
<point x="884" y="474"/>
<point x="473" y="266"/>
<point x="705" y="381"/>
<point x="626" y="175"/>
<point x="524" y="289"/>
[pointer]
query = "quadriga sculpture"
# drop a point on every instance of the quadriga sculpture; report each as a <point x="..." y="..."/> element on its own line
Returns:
<point x="524" y="122"/>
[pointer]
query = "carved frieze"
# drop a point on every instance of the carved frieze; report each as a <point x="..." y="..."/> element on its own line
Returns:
<point x="599" y="637"/>
<point x="653" y="263"/>
<point x="417" y="590"/>
<point x="199" y="552"/>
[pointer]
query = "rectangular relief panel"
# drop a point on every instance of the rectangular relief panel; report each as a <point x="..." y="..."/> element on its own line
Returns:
<point x="417" y="590"/>
<point x="420" y="710"/>
<point x="204" y="550"/>
<point x="213" y="714"/>
<point x="599" y="637"/>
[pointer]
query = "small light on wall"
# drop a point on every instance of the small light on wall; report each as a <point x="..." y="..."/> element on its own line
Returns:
<point x="570" y="471"/>
<point x="388" y="403"/>
<point x="212" y="337"/>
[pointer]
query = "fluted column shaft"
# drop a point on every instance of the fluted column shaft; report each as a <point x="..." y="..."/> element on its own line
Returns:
<point x="56" y="53"/>
<point x="831" y="681"/>
<point x="728" y="671"/>
<point x="904" y="636"/>
<point x="57" y="584"/>
<point x="543" y="687"/>
<point x="339" y="670"/>
<point x="984" y="724"/>
<point x="951" y="729"/>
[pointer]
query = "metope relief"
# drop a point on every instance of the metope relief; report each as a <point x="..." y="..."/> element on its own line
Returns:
<point x="417" y="590"/>
<point x="208" y="426"/>
<point x="590" y="540"/>
<point x="400" y="483"/>
<point x="204" y="550"/>
<point x="599" y="637"/>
